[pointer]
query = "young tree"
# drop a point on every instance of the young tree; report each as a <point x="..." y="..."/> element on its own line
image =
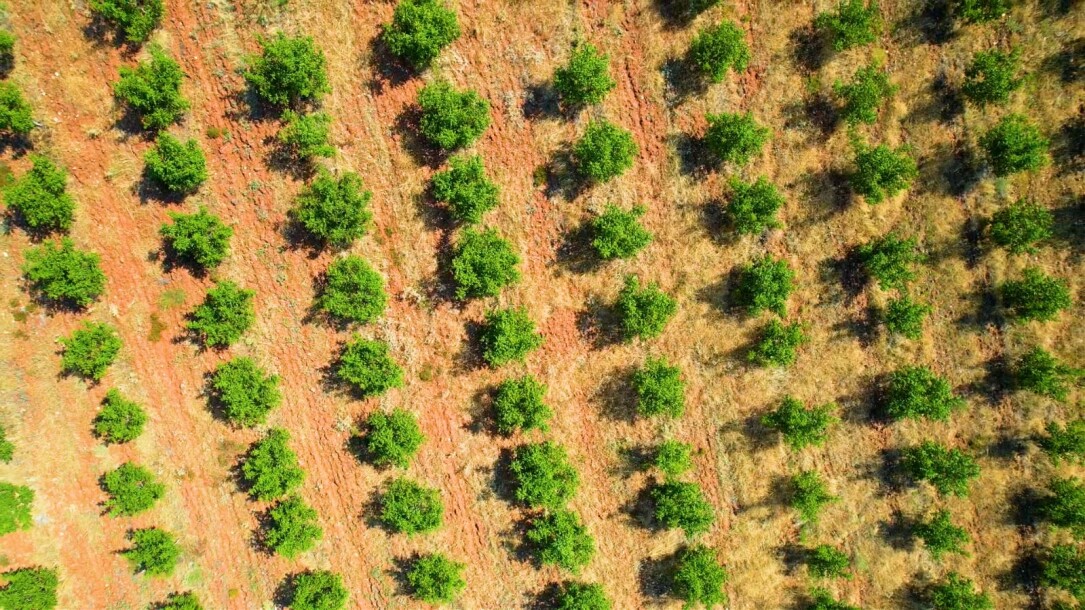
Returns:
<point x="132" y="489"/>
<point x="822" y="599"/>
<point x="367" y="368"/>
<point x="809" y="495"/>
<point x="1019" y="226"/>
<point x="353" y="291"/>
<point x="225" y="314"/>
<point x="991" y="77"/>
<point x="573" y="595"/>
<point x="763" y="285"/>
<point x="508" y="335"/>
<point x="180" y="601"/>
<point x="801" y="426"/>
<point x="559" y="538"/>
<point x="133" y="19"/>
<point x="915" y="391"/>
<point x="199" y="239"/>
<point x="1064" y="506"/>
<point x="778" y="344"/>
<point x="889" y="260"/>
<point x="735" y="138"/>
<point x="90" y="350"/>
<point x="826" y="561"/>
<point x="1040" y="372"/>
<point x="334" y="210"/>
<point x="7" y="52"/>
<point x="292" y="527"/>
<point x="465" y="189"/>
<point x="979" y="11"/>
<point x="288" y="71"/>
<point x="904" y="316"/>
<point x="518" y="405"/>
<point x="868" y="89"/>
<point x="660" y="389"/>
<point x="958" y="593"/>
<point x="16" y="115"/>
<point x="152" y="90"/>
<point x="120" y="420"/>
<point x="673" y="458"/>
<point x="63" y="274"/>
<point x="753" y="206"/>
<point x="7" y="448"/>
<point x="410" y="508"/>
<point x="941" y="536"/>
<point x="1062" y="442"/>
<point x="585" y="80"/>
<point x="677" y="504"/>
<point x="178" y="167"/>
<point x="270" y="470"/>
<point x="543" y="476"/>
<point x="619" y="234"/>
<point x="306" y="135"/>
<point x="483" y="263"/>
<point x="245" y="393"/>
<point x="881" y="172"/>
<point x="1035" y="296"/>
<point x="451" y="118"/>
<point x="318" y="590"/>
<point x="950" y="471"/>
<point x="719" y="48"/>
<point x="643" y="310"/>
<point x="419" y="30"/>
<point x="1014" y="145"/>
<point x="436" y="579"/>
<point x="604" y="152"/>
<point x="29" y="588"/>
<point x="15" y="504"/>
<point x="1063" y="567"/>
<point x="391" y="439"/>
<point x="698" y="577"/>
<point x="854" y="23"/>
<point x="39" y="200"/>
<point x="153" y="551"/>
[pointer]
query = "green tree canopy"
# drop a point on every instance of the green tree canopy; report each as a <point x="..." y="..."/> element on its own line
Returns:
<point x="913" y="392"/>
<point x="854" y="23"/>
<point x="334" y="210"/>
<point x="619" y="234"/>
<point x="451" y="118"/>
<point x="543" y="476"/>
<point x="604" y="152"/>
<point x="718" y="48"/>
<point x="1014" y="145"/>
<point x="180" y="601"/>
<point x="585" y="79"/>
<point x="1039" y="372"/>
<point x="465" y="189"/>
<point x="483" y="263"/>
<point x="270" y="469"/>
<point x="392" y="439"/>
<point x="1036" y="296"/>
<point x="889" y="260"/>
<point x="132" y="489"/>
<point x="1062" y="442"/>
<point x="1063" y="567"/>
<point x="244" y="391"/>
<point x="763" y="285"/>
<point x="979" y="11"/>
<point x="735" y="138"/>
<point x="673" y="458"/>
<point x="508" y="335"/>
<point x="682" y="505"/>
<point x="318" y="590"/>
<point x="16" y="502"/>
<point x="573" y="595"/>
<point x="518" y="405"/>
<point x="27" y="588"/>
<point x="904" y="316"/>
<point x="643" y="309"/>
<point x="827" y="561"/>
<point x="7" y="448"/>
<point x="133" y="19"/>
<point x="89" y="350"/>
<point x="154" y="551"/>
<point x="950" y="471"/>
<point x="292" y="527"/>
<point x="63" y="274"/>
<point x="411" y="508"/>
<point x="152" y="90"/>
<point x="1019" y="226"/>
<point x="225" y="314"/>
<point x="991" y="77"/>
<point x="306" y="135"/>
<point x="178" y="167"/>
<point x="881" y="172"/>
<point x="861" y="97"/>
<point x="660" y="389"/>
<point x="698" y="577"/>
<point x="419" y="30"/>
<point x="941" y="536"/>
<point x="120" y="420"/>
<point x="353" y="291"/>
<point x="810" y="494"/>
<point x="435" y="579"/>
<point x="801" y="426"/>
<point x="16" y="115"/>
<point x="289" y="70"/>
<point x="199" y="239"/>
<point x="778" y="344"/>
<point x="559" y="538"/>
<point x="822" y="599"/>
<point x="39" y="199"/>
<point x="958" y="593"/>
<point x="1064" y="505"/>
<point x="366" y="366"/>
<point x="754" y="205"/>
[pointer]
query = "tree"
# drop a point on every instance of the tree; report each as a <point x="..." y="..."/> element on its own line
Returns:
<point x="367" y="367"/>
<point x="698" y="577"/>
<point x="778" y="344"/>
<point x="120" y="420"/>
<point x="15" y="504"/>
<point x="451" y="118"/>
<point x="854" y="23"/>
<point x="753" y="206"/>
<point x="16" y="115"/>
<point x="436" y="579"/>
<point x="1040" y="372"/>
<point x="132" y="489"/>
<point x="482" y="264"/>
<point x="682" y="505"/>
<point x="881" y="172"/>
<point x="978" y="11"/>
<point x="915" y="391"/>
<point x="134" y="19"/>
<point x="868" y="89"/>
<point x="353" y="291"/>
<point x="63" y="274"/>
<point x="585" y="80"/>
<point x="39" y="199"/>
<point x="660" y="389"/>
<point x="244" y="391"/>
<point x="559" y="538"/>
<point x="180" y="601"/>
<point x="1019" y="226"/>
<point x="334" y="210"/>
<point x="1036" y="296"/>
<point x="1063" y="567"/>
<point x="289" y="70"/>
<point x="734" y="138"/>
<point x="763" y="285"/>
<point x="178" y="167"/>
<point x="991" y="77"/>
<point x="801" y="426"/>
<point x="410" y="508"/>
<point x="543" y="476"/>
<point x="199" y="239"/>
<point x="941" y="536"/>
<point x="292" y="527"/>
<point x="604" y="152"/>
<point x="904" y="316"/>
<point x="1062" y="442"/>
<point x="719" y="48"/>
<point x="29" y="589"/>
<point x="465" y="189"/>
<point x="508" y="335"/>
<point x="7" y="448"/>
<point x="821" y="599"/>
<point x="152" y="90"/>
<point x="419" y="30"/>
<point x="392" y="439"/>
<point x="674" y="458"/>
<point x="643" y="310"/>
<point x="1014" y="145"/>
<point x="7" y="52"/>
<point x="153" y="551"/>
<point x="318" y="590"/>
<point x="619" y="234"/>
<point x="518" y="405"/>
<point x="90" y="350"/>
<point x="950" y="471"/>
<point x="225" y="314"/>
<point x="826" y="561"/>
<point x="809" y="495"/>
<point x="889" y="260"/>
<point x="1064" y="506"/>
<point x="306" y="135"/>
<point x="573" y="595"/>
<point x="958" y="593"/>
<point x="270" y="470"/>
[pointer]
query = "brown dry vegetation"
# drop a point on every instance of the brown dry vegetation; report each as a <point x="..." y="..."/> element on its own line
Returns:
<point x="508" y="51"/>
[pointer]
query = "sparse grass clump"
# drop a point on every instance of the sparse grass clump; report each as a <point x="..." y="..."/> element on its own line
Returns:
<point x="306" y="135"/>
<point x="881" y="172"/>
<point x="1064" y="505"/>
<point x="660" y="389"/>
<point x="63" y="274"/>
<point x="698" y="577"/>
<point x="673" y="458"/>
<point x="178" y="167"/>
<point x="734" y="138"/>
<point x="366" y="366"/>
<point x="465" y="189"/>
<point x="1019" y="226"/>
<point x="419" y="30"/>
<point x="270" y="470"/>
<point x="1065" y="442"/>
<point x="29" y="588"/>
<point x="585" y="79"/>
<point x="90" y="350"/>
<point x="753" y="206"/>
<point x="764" y="285"/>
<point x="7" y="448"/>
<point x="682" y="505"/>
<point x="778" y="344"/>
<point x="941" y="536"/>
<point x="559" y="538"/>
<point x="950" y="471"/>
<point x="809" y="495"/>
<point x="15" y="504"/>
<point x="245" y="393"/>
<point x="451" y="119"/>
<point x="508" y="335"/>
<point x="410" y="508"/>
<point x="120" y="420"/>
<point x="581" y="596"/>
<point x="1039" y="372"/>
<point x="436" y="579"/>
<point x="180" y="601"/>
<point x="225" y="314"/>
<point x="39" y="199"/>
<point x="289" y="70"/>
<point x="854" y="23"/>
<point x="1036" y="296"/>
<point x="518" y="405"/>
<point x="133" y="19"/>
<point x="644" y="310"/>
<point x="801" y="426"/>
<point x="318" y="590"/>
<point x="132" y="490"/>
<point x="1014" y="145"/>
<point x="991" y="77"/>
<point x="719" y="48"/>
<point x="292" y="527"/>
<point x="353" y="291"/>
<point x="826" y="561"/>
<point x="958" y="593"/>
<point x="543" y="476"/>
<point x="392" y="439"/>
<point x="604" y="152"/>
<point x="483" y="263"/>
<point x="154" y="551"/>
<point x="889" y="260"/>
<point x="904" y="316"/>
<point x="619" y="234"/>
<point x="915" y="391"/>
<point x="334" y="210"/>
<point x="16" y="115"/>
<point x="152" y="90"/>
<point x="868" y="89"/>
<point x="199" y="239"/>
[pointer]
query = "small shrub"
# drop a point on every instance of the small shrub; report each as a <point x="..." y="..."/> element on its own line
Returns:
<point x="674" y="458"/>
<point x="1040" y="372"/>
<point x="39" y="199"/>
<point x="436" y="579"/>
<point x="63" y="274"/>
<point x="619" y="234"/>
<point x="318" y="590"/>
<point x="270" y="470"/>
<point x="518" y="405"/>
<point x="821" y="599"/>
<point x="306" y="135"/>
<point x="288" y="71"/>
<point x="16" y="115"/>
<point x="29" y="589"/>
<point x="904" y="316"/>
<point x="677" y="504"/>
<point x="15" y="504"/>
<point x="801" y="426"/>
<point x="292" y="527"/>
<point x="868" y="89"/>
<point x="367" y="367"/>
<point x="152" y="90"/>
<point x="1014" y="145"/>
<point x="180" y="601"/>
<point x="915" y="391"/>
<point x="90" y="350"/>
<point x="950" y="471"/>
<point x="660" y="389"/>
<point x="153" y="551"/>
<point x="7" y="52"/>
<point x="826" y="561"/>
<point x="559" y="538"/>
<point x="940" y="536"/>
<point x="881" y="172"/>
<point x="178" y="167"/>
<point x="734" y="138"/>
<point x="7" y="448"/>
<point x="1061" y="443"/>
<point x="483" y="263"/>
<point x="508" y="335"/>
<point x="585" y="79"/>
<point x="1063" y="567"/>
<point x="763" y="285"/>
<point x="353" y="291"/>
<point x="854" y="23"/>
<point x="334" y="210"/>
<point x="810" y="495"/>
<point x="991" y="77"/>
<point x="134" y="19"/>
<point x="979" y="11"/>
<point x="753" y="206"/>
<point x="1035" y="296"/>
<point x="543" y="476"/>
<point x="244" y="391"/>
<point x="451" y="118"/>
<point x="778" y="344"/>
<point x="1019" y="226"/>
<point x="465" y="188"/>
<point x="120" y="420"/>
<point x="604" y="152"/>
<point x="199" y="239"/>
<point x="392" y="439"/>
<point x="410" y="508"/>
<point x="419" y="30"/>
<point x="1064" y="506"/>
<point x="698" y="577"/>
<point x="644" y="310"/>
<point x="958" y="593"/>
<point x="581" y="596"/>
<point x="889" y="260"/>
<point x="132" y="489"/>
<point x="225" y="314"/>
<point x="719" y="48"/>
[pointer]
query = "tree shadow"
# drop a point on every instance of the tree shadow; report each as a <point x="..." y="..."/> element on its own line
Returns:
<point x="502" y="481"/>
<point x="1025" y="575"/>
<point x="793" y="556"/>
<point x="258" y="542"/>
<point x="640" y="509"/>
<point x="1056" y="9"/>
<point x="655" y="576"/>
<point x="406" y="128"/>
<point x="1070" y="225"/>
<point x="759" y="436"/>
<point x="828" y="191"/>
<point x="599" y="323"/>
<point x="561" y="177"/>
<point x="897" y="531"/>
<point x="300" y="239"/>
<point x="945" y="104"/>
<point x="546" y="599"/>
<point x="102" y="33"/>
<point x="848" y="270"/>
<point x="370" y="513"/>
<point x="1068" y="146"/>
<point x="36" y="235"/>
<point x="985" y="313"/>
<point x="634" y="459"/>
<point x="541" y="101"/>
<point x="617" y="396"/>
<point x="683" y="80"/>
<point x="717" y="222"/>
<point x="149" y="190"/>
<point x="866" y="406"/>
<point x="816" y="113"/>
<point x="523" y="550"/>
<point x="955" y="170"/>
<point x="864" y="326"/>
<point x="481" y="411"/>
<point x="435" y="216"/>
<point x="18" y="144"/>
<point x="996" y="383"/>
<point x="173" y="260"/>
<point x="695" y="160"/>
<point x="469" y="358"/>
<point x="890" y="473"/>
<point x="1024" y="506"/>
<point x="282" y="158"/>
<point x="678" y="14"/>
<point x="719" y="294"/>
<point x="401" y="566"/>
<point x="576" y="253"/>
<point x="388" y="70"/>
<point x="810" y="49"/>
<point x="933" y="22"/>
<point x="1069" y="63"/>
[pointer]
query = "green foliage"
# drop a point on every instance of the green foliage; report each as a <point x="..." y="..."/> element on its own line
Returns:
<point x="559" y="538"/>
<point x="854" y="23"/>
<point x="1019" y="226"/>
<point x="392" y="439"/>
<point x="178" y="167"/>
<point x="352" y="291"/>
<point x="465" y="188"/>
<point x="660" y="389"/>
<point x="132" y="489"/>
<point x="367" y="368"/>
<point x="1036" y="296"/>
<point x="821" y="599"/>
<point x="889" y="260"/>
<point x="810" y="494"/>
<point x="270" y="470"/>
<point x="991" y="77"/>
<point x="543" y="476"/>
<point x="7" y="448"/>
<point x="978" y="11"/>
<point x="244" y="391"/>
<point x="180" y="601"/>
<point x="643" y="310"/>
<point x="719" y="48"/>
<point x="674" y="458"/>
<point x="90" y="350"/>
<point x="734" y="138"/>
<point x="318" y="590"/>
<point x="581" y="596"/>
<point x="410" y="508"/>
<point x="7" y="51"/>
<point x="508" y="335"/>
<point x="958" y="593"/>
<point x="64" y="274"/>
<point x="604" y="152"/>
<point x="763" y="285"/>
<point x="950" y="471"/>
<point x="915" y="391"/>
<point x="778" y="344"/>
<point x="1064" y="506"/>
<point x="586" y="78"/>
<point x="904" y="316"/>
<point x="753" y="206"/>
<point x="436" y="579"/>
<point x="153" y="551"/>
<point x="483" y="263"/>
<point x="518" y="405"/>
<point x="698" y="577"/>
<point x="290" y="70"/>
<point x="1040" y="372"/>
<point x="619" y="234"/>
<point x="39" y="199"/>
<point x="940" y="535"/>
<point x="881" y="172"/>
<point x="1062" y="442"/>
<point x="153" y="90"/>
<point x="868" y="89"/>
<point x="1064" y="568"/>
<point x="120" y="420"/>
<point x="451" y="118"/>
<point x="225" y="314"/>
<point x="419" y="30"/>
<point x="678" y="504"/>
<point x="334" y="210"/>
<point x="16" y="116"/>
<point x="15" y="504"/>
<point x="292" y="527"/>
<point x="801" y="427"/>
<point x="1014" y="145"/>
<point x="29" y="589"/>
<point x="135" y="19"/>
<point x="306" y="135"/>
<point x="199" y="239"/>
<point x="826" y="561"/>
